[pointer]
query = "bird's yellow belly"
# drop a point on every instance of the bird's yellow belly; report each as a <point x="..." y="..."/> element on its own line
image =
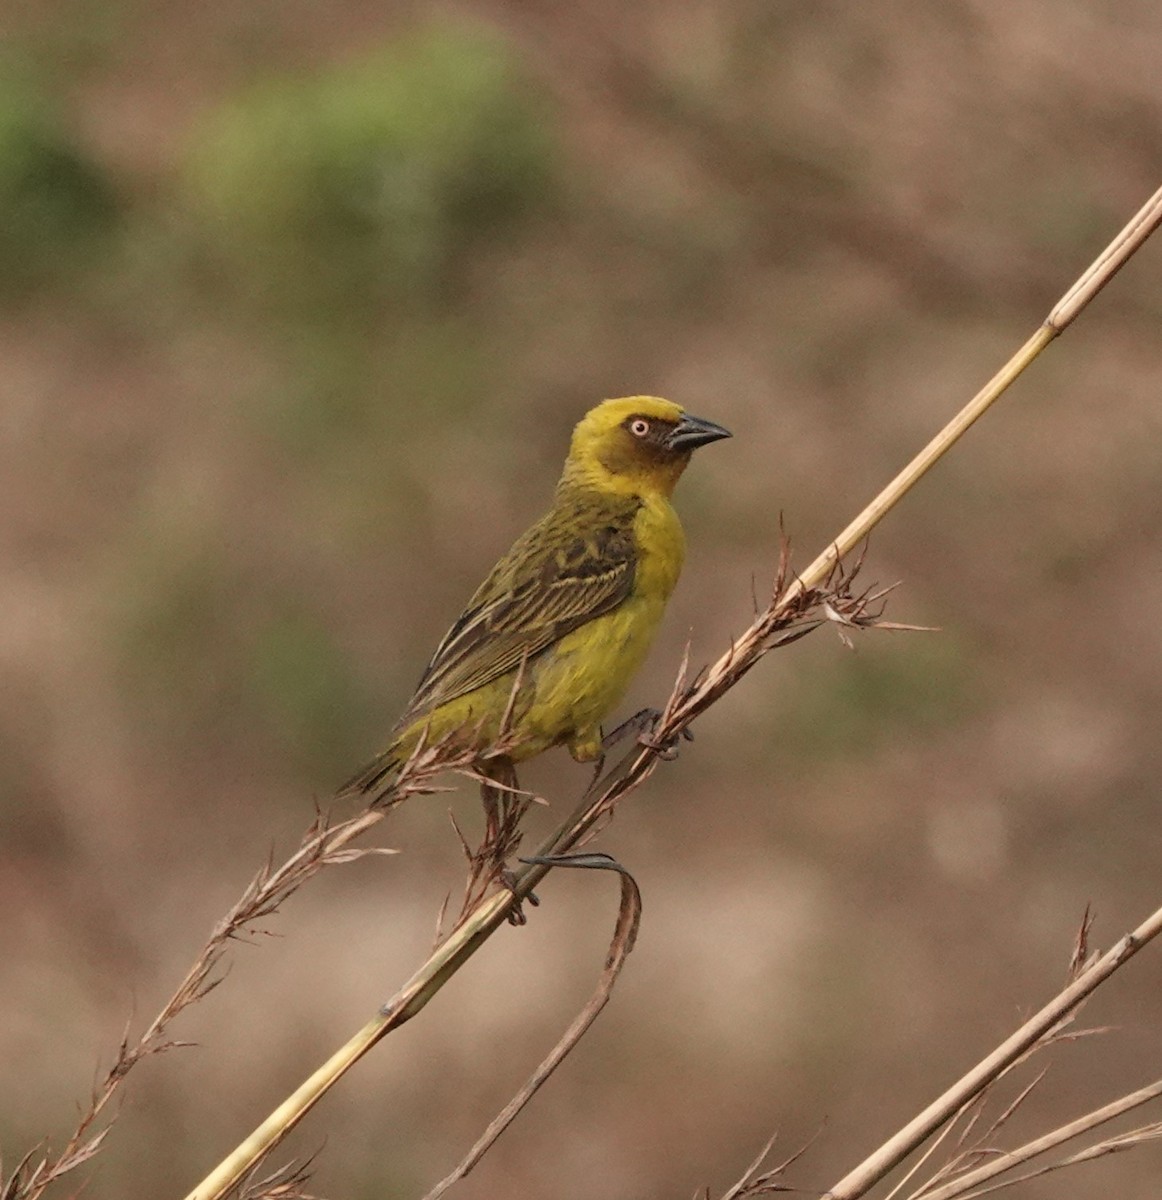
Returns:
<point x="584" y="677"/>
<point x="566" y="693"/>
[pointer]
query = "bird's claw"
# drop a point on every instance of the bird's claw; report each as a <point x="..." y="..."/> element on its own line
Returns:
<point x="642" y="724"/>
<point x="516" y="914"/>
<point x="666" y="750"/>
<point x="638" y="724"/>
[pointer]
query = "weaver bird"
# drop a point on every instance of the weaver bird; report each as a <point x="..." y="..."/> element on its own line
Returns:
<point x="553" y="636"/>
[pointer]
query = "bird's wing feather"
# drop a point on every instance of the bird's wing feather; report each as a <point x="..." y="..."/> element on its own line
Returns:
<point x="567" y="569"/>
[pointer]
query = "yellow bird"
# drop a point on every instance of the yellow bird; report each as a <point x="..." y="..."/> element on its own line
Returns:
<point x="570" y="611"/>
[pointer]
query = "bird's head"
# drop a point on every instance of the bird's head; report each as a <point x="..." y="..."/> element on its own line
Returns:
<point x="636" y="445"/>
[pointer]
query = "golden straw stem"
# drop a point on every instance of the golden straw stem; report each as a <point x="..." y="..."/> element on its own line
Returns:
<point x="903" y="483"/>
<point x="1005" y="1160"/>
<point x="1064" y="312"/>
<point x="877" y="1165"/>
<point x="402" y="1007"/>
<point x="490" y="913"/>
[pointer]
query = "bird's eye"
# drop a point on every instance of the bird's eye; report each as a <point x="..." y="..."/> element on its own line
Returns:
<point x="639" y="427"/>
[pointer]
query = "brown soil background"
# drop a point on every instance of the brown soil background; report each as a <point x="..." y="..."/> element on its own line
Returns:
<point x="226" y="548"/>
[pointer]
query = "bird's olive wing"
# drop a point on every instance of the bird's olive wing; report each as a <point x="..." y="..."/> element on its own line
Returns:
<point x="555" y="578"/>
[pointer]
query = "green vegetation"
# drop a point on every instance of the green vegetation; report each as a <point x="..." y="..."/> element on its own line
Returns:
<point x="57" y="206"/>
<point x="371" y="181"/>
<point x="336" y="215"/>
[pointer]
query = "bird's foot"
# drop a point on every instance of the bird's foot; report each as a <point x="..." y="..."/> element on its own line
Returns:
<point x="667" y="750"/>
<point x="516" y="914"/>
<point x="642" y="725"/>
<point x="641" y="722"/>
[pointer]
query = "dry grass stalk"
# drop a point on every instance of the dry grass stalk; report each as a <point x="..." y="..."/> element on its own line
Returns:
<point x="1000" y="1162"/>
<point x="324" y="843"/>
<point x="970" y="1147"/>
<point x="976" y="1160"/>
<point x="622" y="942"/>
<point x="287" y="1183"/>
<point x="793" y="610"/>
<point x="1046" y="1025"/>
<point x="757" y="1181"/>
<point x="769" y="630"/>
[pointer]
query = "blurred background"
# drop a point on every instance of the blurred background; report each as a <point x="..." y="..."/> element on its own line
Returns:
<point x="298" y="303"/>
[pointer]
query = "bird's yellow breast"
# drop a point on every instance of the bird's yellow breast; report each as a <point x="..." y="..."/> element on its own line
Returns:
<point x="583" y="678"/>
<point x="661" y="548"/>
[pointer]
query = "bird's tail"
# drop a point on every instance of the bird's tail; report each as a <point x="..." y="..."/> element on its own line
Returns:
<point x="373" y="778"/>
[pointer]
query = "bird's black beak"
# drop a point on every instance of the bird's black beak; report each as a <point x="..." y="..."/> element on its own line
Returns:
<point x="691" y="432"/>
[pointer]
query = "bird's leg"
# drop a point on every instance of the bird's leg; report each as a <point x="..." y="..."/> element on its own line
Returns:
<point x="641" y="721"/>
<point x="490" y="800"/>
<point x="641" y="725"/>
<point x="504" y="807"/>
